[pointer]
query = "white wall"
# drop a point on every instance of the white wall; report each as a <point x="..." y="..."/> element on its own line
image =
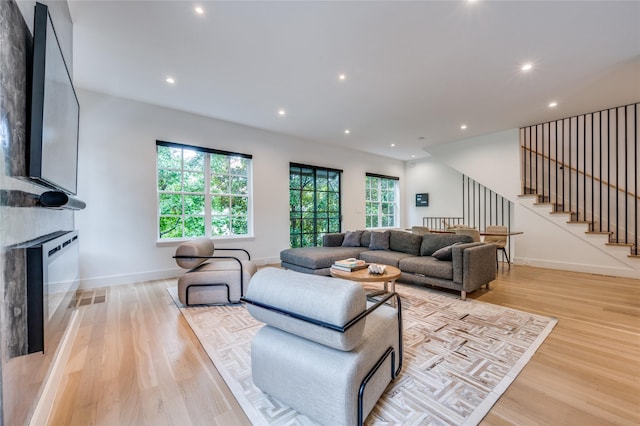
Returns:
<point x="116" y="173"/>
<point x="443" y="184"/>
<point x="494" y="161"/>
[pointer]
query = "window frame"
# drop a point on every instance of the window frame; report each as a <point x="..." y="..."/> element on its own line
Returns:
<point x="330" y="214"/>
<point x="208" y="195"/>
<point x="396" y="201"/>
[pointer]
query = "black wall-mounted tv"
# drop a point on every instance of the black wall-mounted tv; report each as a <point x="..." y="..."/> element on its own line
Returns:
<point x="422" y="200"/>
<point x="52" y="155"/>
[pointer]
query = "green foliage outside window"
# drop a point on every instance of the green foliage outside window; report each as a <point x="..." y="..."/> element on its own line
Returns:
<point x="202" y="193"/>
<point x="381" y="204"/>
<point x="314" y="205"/>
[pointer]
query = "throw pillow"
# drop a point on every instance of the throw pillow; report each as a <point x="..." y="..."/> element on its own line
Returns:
<point x="445" y="253"/>
<point x="352" y="239"/>
<point x="433" y="242"/>
<point x="379" y="240"/>
<point x="365" y="240"/>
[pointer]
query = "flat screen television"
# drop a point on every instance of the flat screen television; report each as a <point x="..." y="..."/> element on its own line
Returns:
<point x="52" y="155"/>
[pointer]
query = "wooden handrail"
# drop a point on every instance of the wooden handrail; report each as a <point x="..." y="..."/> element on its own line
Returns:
<point x="624" y="191"/>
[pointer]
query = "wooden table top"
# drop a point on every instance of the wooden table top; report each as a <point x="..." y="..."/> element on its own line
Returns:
<point x="500" y="234"/>
<point x="483" y="233"/>
<point x="391" y="273"/>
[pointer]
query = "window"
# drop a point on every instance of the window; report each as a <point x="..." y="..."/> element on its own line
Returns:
<point x="314" y="204"/>
<point x="381" y="201"/>
<point x="202" y="192"/>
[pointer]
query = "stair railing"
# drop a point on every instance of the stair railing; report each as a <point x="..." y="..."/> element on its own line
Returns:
<point x="587" y="165"/>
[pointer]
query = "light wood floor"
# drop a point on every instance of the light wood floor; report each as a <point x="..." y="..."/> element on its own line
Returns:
<point x="135" y="360"/>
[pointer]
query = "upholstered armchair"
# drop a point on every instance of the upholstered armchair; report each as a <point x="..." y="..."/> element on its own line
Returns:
<point x="499" y="240"/>
<point x="472" y="232"/>
<point x="326" y="351"/>
<point x="419" y="230"/>
<point x="211" y="279"/>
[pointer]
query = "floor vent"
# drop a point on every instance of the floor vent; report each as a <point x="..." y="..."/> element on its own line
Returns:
<point x="90" y="297"/>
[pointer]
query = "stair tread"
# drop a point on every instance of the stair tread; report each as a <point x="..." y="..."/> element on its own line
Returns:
<point x="619" y="244"/>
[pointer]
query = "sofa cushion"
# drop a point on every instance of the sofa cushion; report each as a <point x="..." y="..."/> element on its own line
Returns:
<point x="321" y="382"/>
<point x="405" y="242"/>
<point x="352" y="239"/>
<point x="318" y="257"/>
<point x="365" y="240"/>
<point x="324" y="299"/>
<point x="444" y="253"/>
<point x="433" y="242"/>
<point x="379" y="241"/>
<point x="383" y="256"/>
<point x="427" y="266"/>
<point x="333" y="239"/>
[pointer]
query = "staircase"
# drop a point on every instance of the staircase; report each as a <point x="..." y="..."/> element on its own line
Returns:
<point x="583" y="173"/>
<point x="600" y="240"/>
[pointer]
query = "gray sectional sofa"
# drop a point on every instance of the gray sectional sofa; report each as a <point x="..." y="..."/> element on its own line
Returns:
<point x="439" y="260"/>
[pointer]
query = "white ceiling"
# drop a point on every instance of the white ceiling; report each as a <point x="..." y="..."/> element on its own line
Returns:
<point x="416" y="71"/>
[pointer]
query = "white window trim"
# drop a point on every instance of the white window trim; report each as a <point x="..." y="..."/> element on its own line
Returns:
<point x="207" y="195"/>
<point x="396" y="204"/>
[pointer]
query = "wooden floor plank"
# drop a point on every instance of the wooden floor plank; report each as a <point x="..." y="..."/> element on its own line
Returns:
<point x="136" y="361"/>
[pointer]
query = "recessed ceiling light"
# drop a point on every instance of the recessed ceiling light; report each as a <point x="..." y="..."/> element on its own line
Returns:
<point x="347" y="131"/>
<point x="342" y="77"/>
<point x="463" y="127"/>
<point x="413" y="156"/>
<point x="170" y="80"/>
<point x="553" y="104"/>
<point x="282" y="112"/>
<point x="392" y="145"/>
<point x="199" y="10"/>
<point x="527" y="66"/>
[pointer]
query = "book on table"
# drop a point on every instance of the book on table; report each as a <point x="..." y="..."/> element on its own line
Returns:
<point x="349" y="263"/>
<point x="349" y="268"/>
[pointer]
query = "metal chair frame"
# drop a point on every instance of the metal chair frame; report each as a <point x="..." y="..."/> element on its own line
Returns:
<point x="217" y="284"/>
<point x="343" y="328"/>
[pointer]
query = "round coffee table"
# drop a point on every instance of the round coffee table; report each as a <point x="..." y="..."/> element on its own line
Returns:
<point x="389" y="277"/>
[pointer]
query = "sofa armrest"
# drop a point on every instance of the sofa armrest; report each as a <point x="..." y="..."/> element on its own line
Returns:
<point x="332" y="240"/>
<point x="474" y="264"/>
<point x="478" y="266"/>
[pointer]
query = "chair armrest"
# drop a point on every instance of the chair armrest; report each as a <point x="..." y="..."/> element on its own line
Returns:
<point x="339" y="328"/>
<point x="235" y="249"/>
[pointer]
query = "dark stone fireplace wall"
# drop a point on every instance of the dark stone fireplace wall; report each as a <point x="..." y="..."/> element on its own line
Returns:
<point x="20" y="217"/>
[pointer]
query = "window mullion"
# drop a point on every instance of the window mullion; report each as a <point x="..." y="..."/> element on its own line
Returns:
<point x="182" y="193"/>
<point x="380" y="221"/>
<point x="207" y="196"/>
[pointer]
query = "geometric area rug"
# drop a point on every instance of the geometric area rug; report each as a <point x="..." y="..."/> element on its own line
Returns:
<point x="459" y="358"/>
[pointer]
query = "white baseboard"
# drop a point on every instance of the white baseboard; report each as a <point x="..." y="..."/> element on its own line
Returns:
<point x="121" y="279"/>
<point x="578" y="267"/>
<point x="45" y="404"/>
